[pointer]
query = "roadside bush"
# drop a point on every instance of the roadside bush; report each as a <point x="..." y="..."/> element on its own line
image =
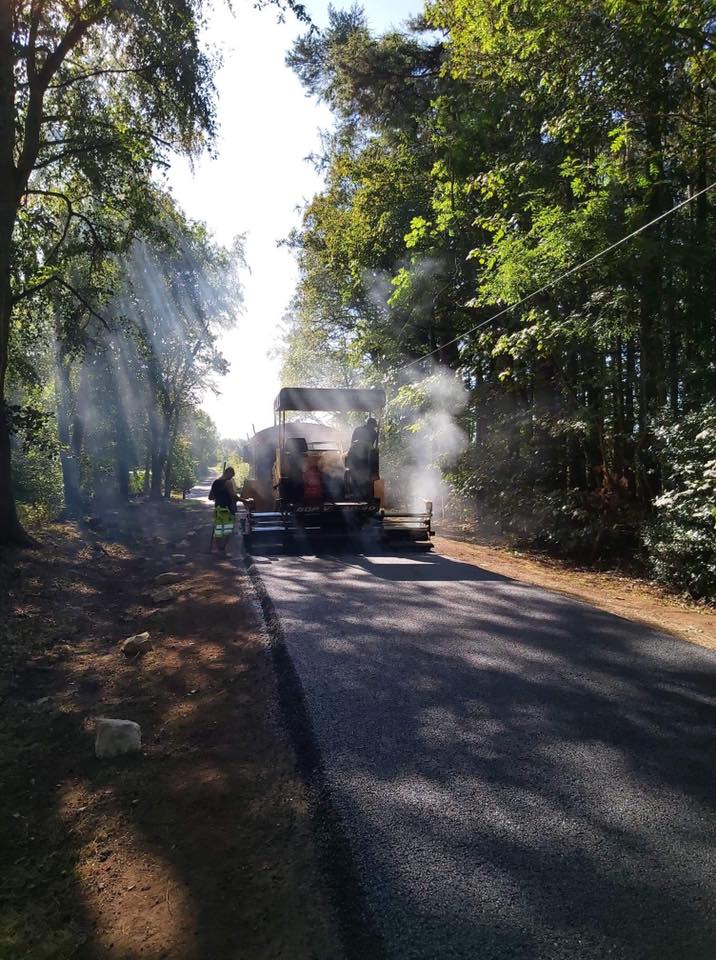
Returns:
<point x="680" y="537"/>
<point x="593" y="525"/>
<point x="518" y="503"/>
<point x="241" y="467"/>
<point x="37" y="473"/>
<point x="38" y="485"/>
<point x="137" y="481"/>
<point x="182" y="469"/>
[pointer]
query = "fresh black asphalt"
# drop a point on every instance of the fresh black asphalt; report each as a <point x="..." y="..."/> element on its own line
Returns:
<point x="518" y="775"/>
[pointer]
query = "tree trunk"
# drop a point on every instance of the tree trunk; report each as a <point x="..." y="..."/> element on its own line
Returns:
<point x="122" y="464"/>
<point x="618" y="404"/>
<point x="576" y="464"/>
<point x="593" y="379"/>
<point x="68" y="460"/>
<point x="11" y="531"/>
<point x="172" y="431"/>
<point x="674" y="378"/>
<point x="168" y="479"/>
<point x="123" y="446"/>
<point x="77" y="436"/>
<point x="652" y="391"/>
<point x="158" y="439"/>
<point x="159" y="460"/>
<point x="699" y="330"/>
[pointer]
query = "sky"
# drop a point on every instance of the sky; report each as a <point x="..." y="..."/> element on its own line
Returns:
<point x="256" y="183"/>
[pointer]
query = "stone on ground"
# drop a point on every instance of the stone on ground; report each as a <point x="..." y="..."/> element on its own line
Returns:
<point x="170" y="576"/>
<point x="116" y="737"/>
<point x="161" y="596"/>
<point x="167" y="593"/>
<point x="136" y="645"/>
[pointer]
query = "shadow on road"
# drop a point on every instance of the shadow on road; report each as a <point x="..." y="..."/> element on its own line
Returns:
<point x="521" y="775"/>
<point x="409" y="562"/>
<point x="425" y="567"/>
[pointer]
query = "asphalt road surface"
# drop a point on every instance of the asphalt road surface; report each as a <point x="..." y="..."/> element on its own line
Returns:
<point x="518" y="775"/>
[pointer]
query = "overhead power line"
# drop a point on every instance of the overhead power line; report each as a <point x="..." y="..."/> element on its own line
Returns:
<point x="559" y="279"/>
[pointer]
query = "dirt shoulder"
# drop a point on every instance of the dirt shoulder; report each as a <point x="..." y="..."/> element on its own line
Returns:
<point x="198" y="848"/>
<point x="623" y="595"/>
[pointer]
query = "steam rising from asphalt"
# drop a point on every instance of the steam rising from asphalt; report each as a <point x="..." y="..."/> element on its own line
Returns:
<point x="434" y="437"/>
<point x="426" y="410"/>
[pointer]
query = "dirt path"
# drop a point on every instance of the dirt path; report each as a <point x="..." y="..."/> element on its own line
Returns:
<point x="200" y="847"/>
<point x="625" y="596"/>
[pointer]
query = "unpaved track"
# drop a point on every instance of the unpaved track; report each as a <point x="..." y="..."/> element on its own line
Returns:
<point x="518" y="774"/>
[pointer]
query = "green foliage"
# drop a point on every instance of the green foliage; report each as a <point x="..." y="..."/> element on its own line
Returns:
<point x="465" y="173"/>
<point x="34" y="423"/>
<point x="127" y="381"/>
<point x="231" y="455"/>
<point x="182" y="469"/>
<point x="138" y="481"/>
<point x="38" y="481"/>
<point x="203" y="439"/>
<point x="680" y="537"/>
<point x="100" y="94"/>
<point x="38" y="476"/>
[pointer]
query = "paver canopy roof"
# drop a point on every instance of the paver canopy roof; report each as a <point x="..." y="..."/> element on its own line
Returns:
<point x="322" y="398"/>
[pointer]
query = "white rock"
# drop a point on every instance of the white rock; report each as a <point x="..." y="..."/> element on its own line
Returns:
<point x="161" y="595"/>
<point x="115" y="737"/>
<point x="136" y="645"/>
<point x="170" y="576"/>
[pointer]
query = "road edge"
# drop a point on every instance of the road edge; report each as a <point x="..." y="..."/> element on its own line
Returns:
<point x="667" y="617"/>
<point x="359" y="935"/>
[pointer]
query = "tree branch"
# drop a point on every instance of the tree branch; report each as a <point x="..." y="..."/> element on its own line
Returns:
<point x="98" y="146"/>
<point x="38" y="81"/>
<point x="71" y="213"/>
<point x="102" y="73"/>
<point x="85" y="303"/>
<point x="78" y="151"/>
<point x="31" y="291"/>
<point x="56" y="278"/>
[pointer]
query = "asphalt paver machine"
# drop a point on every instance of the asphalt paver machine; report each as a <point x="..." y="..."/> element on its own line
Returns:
<point x="310" y="480"/>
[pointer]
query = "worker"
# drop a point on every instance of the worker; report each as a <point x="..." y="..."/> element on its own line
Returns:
<point x="368" y="433"/>
<point x="362" y="458"/>
<point x="223" y="490"/>
<point x="223" y="493"/>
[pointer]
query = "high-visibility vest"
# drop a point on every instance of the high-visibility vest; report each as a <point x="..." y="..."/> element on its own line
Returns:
<point x="223" y="522"/>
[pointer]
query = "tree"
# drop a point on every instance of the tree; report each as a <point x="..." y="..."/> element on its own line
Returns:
<point x="181" y="290"/>
<point x="203" y="439"/>
<point x="90" y="89"/>
<point x="465" y="174"/>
